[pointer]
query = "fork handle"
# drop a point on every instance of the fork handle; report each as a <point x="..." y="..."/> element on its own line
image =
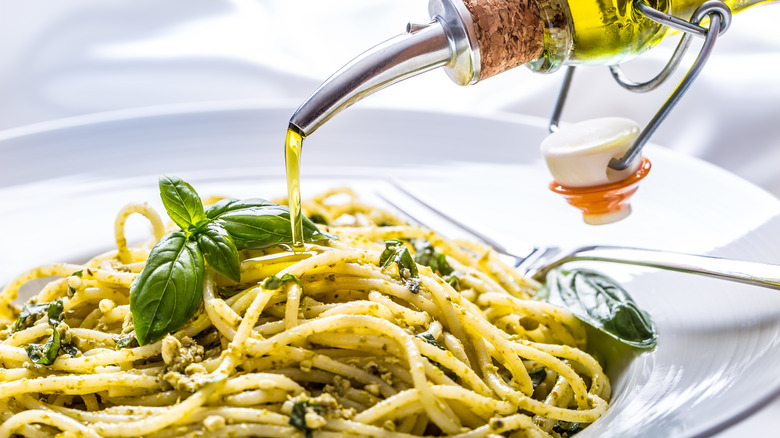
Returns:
<point x="753" y="273"/>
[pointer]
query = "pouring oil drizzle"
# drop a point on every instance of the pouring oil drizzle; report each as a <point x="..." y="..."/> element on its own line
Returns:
<point x="292" y="159"/>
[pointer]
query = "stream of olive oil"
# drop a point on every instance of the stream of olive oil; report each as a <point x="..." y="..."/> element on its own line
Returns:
<point x="292" y="159"/>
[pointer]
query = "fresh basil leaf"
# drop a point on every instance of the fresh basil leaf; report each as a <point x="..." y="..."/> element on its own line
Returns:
<point x="54" y="311"/>
<point x="45" y="354"/>
<point x="28" y="311"/>
<point x="601" y="302"/>
<point x="181" y="202"/>
<point x="220" y="252"/>
<point x="167" y="292"/>
<point x="273" y="282"/>
<point x="427" y="255"/>
<point x="264" y="226"/>
<point x="231" y="205"/>
<point x="227" y="205"/>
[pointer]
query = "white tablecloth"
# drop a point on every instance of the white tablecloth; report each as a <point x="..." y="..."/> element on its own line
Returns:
<point x="62" y="58"/>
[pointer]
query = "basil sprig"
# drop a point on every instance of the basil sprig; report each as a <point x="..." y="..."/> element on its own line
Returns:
<point x="167" y="293"/>
<point x="601" y="302"/>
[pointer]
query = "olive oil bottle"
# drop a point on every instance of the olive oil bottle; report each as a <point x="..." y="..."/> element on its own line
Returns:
<point x="612" y="31"/>
<point x="473" y="40"/>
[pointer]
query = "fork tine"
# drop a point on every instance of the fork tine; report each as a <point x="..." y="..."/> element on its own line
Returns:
<point x="453" y="222"/>
<point x="540" y="258"/>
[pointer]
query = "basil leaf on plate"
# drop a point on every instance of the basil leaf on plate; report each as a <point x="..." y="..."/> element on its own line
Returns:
<point x="167" y="292"/>
<point x="220" y="252"/>
<point x="601" y="302"/>
<point x="181" y="202"/>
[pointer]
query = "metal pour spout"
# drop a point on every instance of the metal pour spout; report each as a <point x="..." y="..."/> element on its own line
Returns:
<point x="448" y="41"/>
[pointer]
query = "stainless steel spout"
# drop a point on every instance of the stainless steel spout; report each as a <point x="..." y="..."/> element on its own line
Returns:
<point x="447" y="41"/>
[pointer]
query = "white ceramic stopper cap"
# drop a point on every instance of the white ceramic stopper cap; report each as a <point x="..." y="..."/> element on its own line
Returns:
<point x="578" y="155"/>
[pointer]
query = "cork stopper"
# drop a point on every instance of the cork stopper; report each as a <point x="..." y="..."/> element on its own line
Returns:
<point x="510" y="33"/>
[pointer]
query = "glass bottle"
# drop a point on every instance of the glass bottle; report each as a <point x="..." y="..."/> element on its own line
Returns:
<point x="608" y="32"/>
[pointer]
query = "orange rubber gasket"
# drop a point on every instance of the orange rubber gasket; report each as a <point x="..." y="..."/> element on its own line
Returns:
<point x="605" y="198"/>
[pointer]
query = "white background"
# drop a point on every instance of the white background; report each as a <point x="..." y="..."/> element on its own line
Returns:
<point x="64" y="58"/>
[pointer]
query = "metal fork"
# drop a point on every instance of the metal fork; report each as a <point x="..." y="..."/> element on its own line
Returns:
<point x="537" y="261"/>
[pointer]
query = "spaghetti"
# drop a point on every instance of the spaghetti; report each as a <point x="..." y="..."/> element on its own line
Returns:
<point x="335" y="345"/>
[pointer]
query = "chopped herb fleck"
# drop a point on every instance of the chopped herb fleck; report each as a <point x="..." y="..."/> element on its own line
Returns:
<point x="31" y="310"/>
<point x="537" y="376"/>
<point x="298" y="416"/>
<point x="397" y="252"/>
<point x="428" y="337"/>
<point x="566" y="428"/>
<point x="45" y="354"/>
<point x="227" y="293"/>
<point x="273" y="282"/>
<point x="428" y="256"/>
<point x="55" y="311"/>
<point x="70" y="349"/>
<point x="127" y="341"/>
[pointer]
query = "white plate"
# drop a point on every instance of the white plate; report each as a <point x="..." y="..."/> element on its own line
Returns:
<point x="62" y="183"/>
